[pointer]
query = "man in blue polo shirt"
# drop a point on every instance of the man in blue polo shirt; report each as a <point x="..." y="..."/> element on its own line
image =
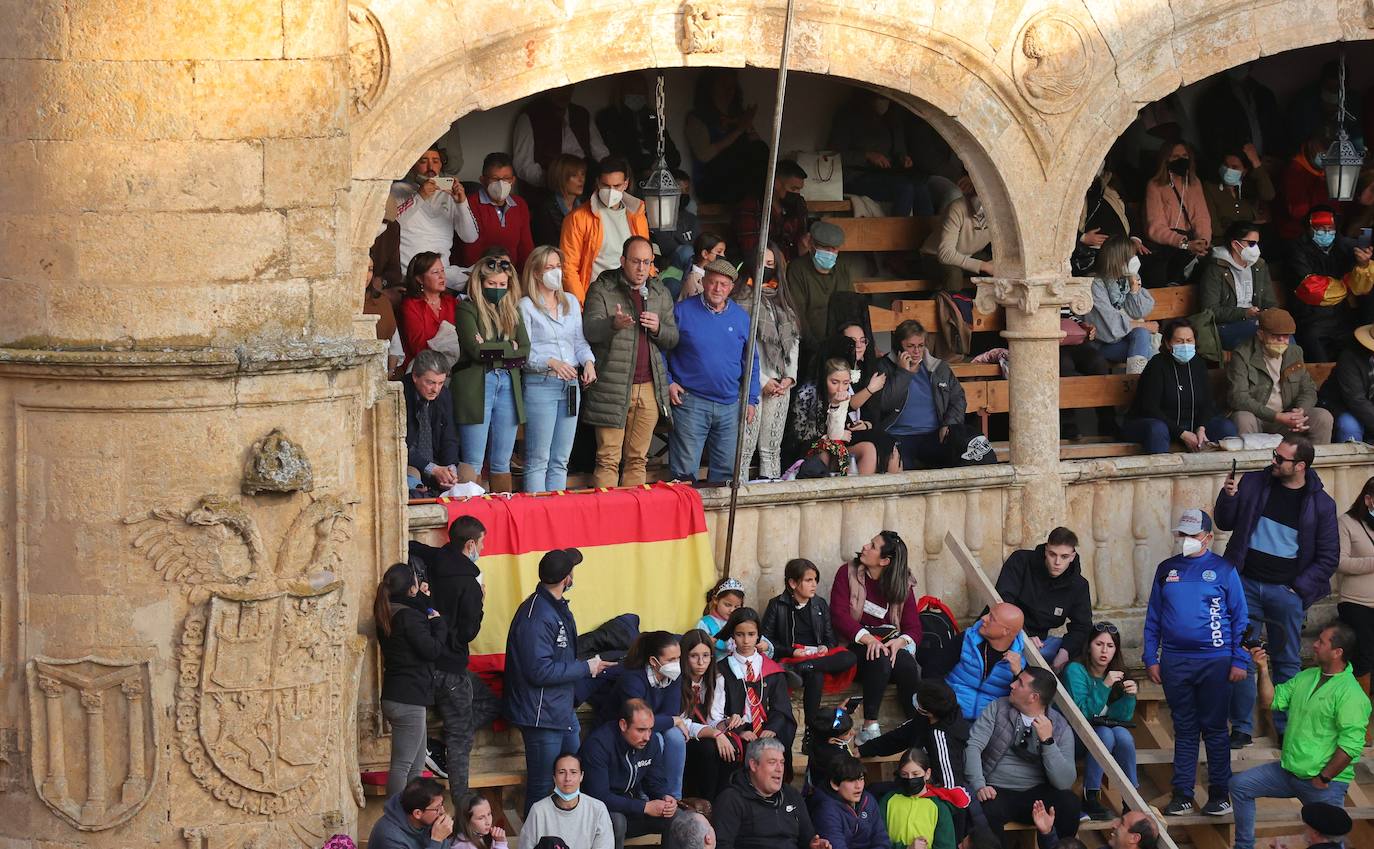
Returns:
<point x="1194" y="626"/>
<point x="705" y="369"/>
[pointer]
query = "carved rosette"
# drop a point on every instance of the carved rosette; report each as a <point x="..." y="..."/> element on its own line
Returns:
<point x="1029" y="296"/>
<point x="1052" y="60"/>
<point x="369" y="58"/>
<point x="702" y="31"/>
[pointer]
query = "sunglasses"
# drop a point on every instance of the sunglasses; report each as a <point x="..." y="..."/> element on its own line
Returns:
<point x="494" y="263"/>
<point x="1280" y="459"/>
<point x="1104" y="628"/>
<point x="1251" y="243"/>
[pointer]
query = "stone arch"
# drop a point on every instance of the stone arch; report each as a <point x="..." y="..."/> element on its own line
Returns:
<point x="949" y="78"/>
<point x="1211" y="41"/>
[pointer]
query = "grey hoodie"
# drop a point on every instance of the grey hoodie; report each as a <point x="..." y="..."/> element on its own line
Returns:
<point x="1115" y="307"/>
<point x="1242" y="277"/>
<point x="394" y="831"/>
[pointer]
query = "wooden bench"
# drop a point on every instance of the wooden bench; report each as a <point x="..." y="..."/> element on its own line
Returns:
<point x="885" y="235"/>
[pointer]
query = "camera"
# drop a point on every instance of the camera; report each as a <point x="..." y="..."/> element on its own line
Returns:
<point x="1251" y="640"/>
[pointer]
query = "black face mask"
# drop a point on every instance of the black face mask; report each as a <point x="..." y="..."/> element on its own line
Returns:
<point x="1179" y="167"/>
<point x="769" y="274"/>
<point x="911" y="786"/>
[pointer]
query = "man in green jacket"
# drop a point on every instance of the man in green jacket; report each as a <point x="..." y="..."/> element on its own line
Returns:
<point x="811" y="280"/>
<point x="1270" y="389"/>
<point x="628" y="321"/>
<point x="1328" y="713"/>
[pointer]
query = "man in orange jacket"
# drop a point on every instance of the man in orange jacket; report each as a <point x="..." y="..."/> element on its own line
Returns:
<point x="594" y="233"/>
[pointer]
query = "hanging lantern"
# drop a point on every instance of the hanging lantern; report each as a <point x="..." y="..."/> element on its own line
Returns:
<point x="1342" y="162"/>
<point x="659" y="191"/>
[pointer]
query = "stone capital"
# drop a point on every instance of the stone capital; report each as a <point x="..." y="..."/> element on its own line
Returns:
<point x="1032" y="295"/>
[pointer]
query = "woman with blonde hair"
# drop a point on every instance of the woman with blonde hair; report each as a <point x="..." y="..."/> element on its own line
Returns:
<point x="560" y="362"/>
<point x="487" y="401"/>
<point x="1177" y="221"/>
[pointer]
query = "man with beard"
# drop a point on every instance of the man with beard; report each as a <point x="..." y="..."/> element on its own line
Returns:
<point x="429" y="217"/>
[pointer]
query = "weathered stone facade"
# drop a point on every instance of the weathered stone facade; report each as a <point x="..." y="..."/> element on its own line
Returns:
<point x="187" y="192"/>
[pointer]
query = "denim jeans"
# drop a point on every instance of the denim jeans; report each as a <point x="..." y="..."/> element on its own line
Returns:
<point x="700" y="424"/>
<point x="548" y="432"/>
<point x="1280" y="610"/>
<point x="498" y="421"/>
<point x="1154" y="433"/>
<point x="407" y="744"/>
<point x="907" y="194"/>
<point x="1236" y="332"/>
<point x="674" y="759"/>
<point x="1272" y="781"/>
<point x="1122" y="746"/>
<point x="1136" y="343"/>
<point x="1348" y="429"/>
<point x="542" y="748"/>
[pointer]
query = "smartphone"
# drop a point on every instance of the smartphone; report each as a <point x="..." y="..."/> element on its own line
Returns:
<point x="444" y="183"/>
<point x="1366" y="237"/>
<point x="572" y="397"/>
<point x="1233" y="469"/>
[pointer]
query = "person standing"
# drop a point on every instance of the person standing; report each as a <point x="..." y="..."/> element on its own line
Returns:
<point x="1356" y="607"/>
<point x="1285" y="545"/>
<point x="779" y="351"/>
<point x="542" y="670"/>
<point x="411" y="636"/>
<point x="1328" y="713"/>
<point x="503" y="219"/>
<point x="593" y="233"/>
<point x="811" y="283"/>
<point x="1194" y="624"/>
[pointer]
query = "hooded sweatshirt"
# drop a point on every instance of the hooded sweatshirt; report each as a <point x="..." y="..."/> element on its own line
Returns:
<point x="1048" y="602"/>
<point x="746" y="819"/>
<point x="455" y="584"/>
<point x="394" y="831"/>
<point x="1242" y="278"/>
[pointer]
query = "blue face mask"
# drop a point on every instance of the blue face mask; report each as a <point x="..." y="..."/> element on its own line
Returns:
<point x="567" y="797"/>
<point x="1230" y="176"/>
<point x="1323" y="238"/>
<point x="1184" y="352"/>
<point x="824" y="260"/>
<point x="1318" y="161"/>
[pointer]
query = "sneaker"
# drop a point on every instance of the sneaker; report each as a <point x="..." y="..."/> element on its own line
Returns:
<point x="1180" y="805"/>
<point x="871" y="731"/>
<point x="1092" y="807"/>
<point x="1239" y="739"/>
<point x="806" y="743"/>
<point x="435" y="759"/>
<point x="1217" y="806"/>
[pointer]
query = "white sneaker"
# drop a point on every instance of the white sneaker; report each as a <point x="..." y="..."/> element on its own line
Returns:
<point x="871" y="731"/>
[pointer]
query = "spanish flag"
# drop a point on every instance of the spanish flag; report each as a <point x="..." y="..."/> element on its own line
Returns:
<point x="645" y="550"/>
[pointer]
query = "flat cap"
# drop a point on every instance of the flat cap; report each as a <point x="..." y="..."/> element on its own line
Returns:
<point x="722" y="266"/>
<point x="1275" y="320"/>
<point x="827" y="234"/>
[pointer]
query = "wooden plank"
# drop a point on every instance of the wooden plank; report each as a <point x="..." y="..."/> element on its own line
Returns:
<point x="1174" y="302"/>
<point x="1077" y="721"/>
<point x="894" y="287"/>
<point x="1101" y="390"/>
<point x="975" y="371"/>
<point x="904" y="233"/>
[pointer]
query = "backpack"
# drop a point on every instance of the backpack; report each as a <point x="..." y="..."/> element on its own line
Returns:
<point x="940" y="640"/>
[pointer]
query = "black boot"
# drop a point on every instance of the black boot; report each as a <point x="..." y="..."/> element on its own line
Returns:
<point x="1092" y="806"/>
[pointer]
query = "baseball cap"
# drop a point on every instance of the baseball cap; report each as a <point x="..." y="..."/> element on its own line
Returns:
<point x="1193" y="522"/>
<point x="556" y="565"/>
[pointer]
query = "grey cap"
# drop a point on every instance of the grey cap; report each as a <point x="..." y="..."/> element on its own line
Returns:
<point x="1193" y="522"/>
<point x="722" y="266"/>
<point x="825" y="233"/>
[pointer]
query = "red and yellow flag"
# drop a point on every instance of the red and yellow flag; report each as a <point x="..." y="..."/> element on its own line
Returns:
<point x="645" y="550"/>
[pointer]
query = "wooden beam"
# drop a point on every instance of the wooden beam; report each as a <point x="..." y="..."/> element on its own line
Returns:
<point x="1077" y="721"/>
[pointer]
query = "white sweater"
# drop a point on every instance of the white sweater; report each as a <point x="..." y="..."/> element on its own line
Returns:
<point x="587" y="826"/>
<point x="429" y="225"/>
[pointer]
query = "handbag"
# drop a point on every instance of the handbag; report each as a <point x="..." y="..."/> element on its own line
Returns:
<point x="824" y="174"/>
<point x="1074" y="332"/>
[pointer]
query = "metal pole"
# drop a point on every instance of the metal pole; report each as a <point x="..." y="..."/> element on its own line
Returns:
<point x="750" y="349"/>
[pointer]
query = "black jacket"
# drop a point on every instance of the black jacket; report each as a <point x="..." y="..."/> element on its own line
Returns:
<point x="444" y="431"/>
<point x="744" y="819"/>
<point x="457" y="596"/>
<point x="409" y="652"/>
<point x="945" y="741"/>
<point x="1306" y="258"/>
<point x="777" y="704"/>
<point x="1178" y="394"/>
<point x="779" y="628"/>
<point x="950" y="403"/>
<point x="1047" y="602"/>
<point x="1350" y="389"/>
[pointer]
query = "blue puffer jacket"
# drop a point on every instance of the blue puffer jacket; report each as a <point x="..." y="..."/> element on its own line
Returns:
<point x="966" y="678"/>
<point x="541" y="664"/>
<point x="1319" y="547"/>
<point x="846" y="828"/>
<point x="621" y="777"/>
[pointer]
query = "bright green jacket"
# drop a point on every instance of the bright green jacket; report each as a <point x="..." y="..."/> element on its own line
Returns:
<point x="1321" y="719"/>
<point x="1091" y="694"/>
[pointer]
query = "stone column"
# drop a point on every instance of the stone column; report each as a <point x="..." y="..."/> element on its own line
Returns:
<point x="1032" y="333"/>
<point x="174" y="207"/>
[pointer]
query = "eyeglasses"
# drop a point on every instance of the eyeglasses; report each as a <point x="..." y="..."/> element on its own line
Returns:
<point x="1104" y="628"/>
<point x="433" y="810"/>
<point x="493" y="263"/>
<point x="639" y="263"/>
<point x="1280" y="459"/>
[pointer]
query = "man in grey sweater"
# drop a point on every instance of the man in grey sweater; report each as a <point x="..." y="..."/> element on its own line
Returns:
<point x="1020" y="752"/>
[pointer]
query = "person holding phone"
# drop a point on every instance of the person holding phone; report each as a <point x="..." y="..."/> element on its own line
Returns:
<point x="411" y="635"/>
<point x="430" y="217"/>
<point x="1097" y="683"/>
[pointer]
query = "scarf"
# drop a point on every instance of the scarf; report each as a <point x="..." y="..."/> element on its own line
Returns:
<point x="778" y="331"/>
<point x="858" y="594"/>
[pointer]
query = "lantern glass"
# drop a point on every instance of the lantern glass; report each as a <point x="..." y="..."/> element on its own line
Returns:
<point x="660" y="194"/>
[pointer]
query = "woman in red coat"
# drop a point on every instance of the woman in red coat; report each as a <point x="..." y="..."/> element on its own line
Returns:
<point x="427" y="303"/>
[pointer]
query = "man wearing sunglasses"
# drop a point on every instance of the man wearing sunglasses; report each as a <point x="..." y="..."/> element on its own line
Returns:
<point x="1285" y="545"/>
<point x="413" y="819"/>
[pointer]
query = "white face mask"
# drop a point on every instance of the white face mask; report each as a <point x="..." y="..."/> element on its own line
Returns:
<point x="1188" y="546"/>
<point x="498" y="190"/>
<point x="1133" y="266"/>
<point x="670" y="670"/>
<point x="1250" y="254"/>
<point x="609" y="197"/>
<point x="552" y="279"/>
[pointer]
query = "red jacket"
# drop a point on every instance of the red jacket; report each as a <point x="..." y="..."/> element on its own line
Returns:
<point x="1303" y="188"/>
<point x="514" y="236"/>
<point x="418" y="323"/>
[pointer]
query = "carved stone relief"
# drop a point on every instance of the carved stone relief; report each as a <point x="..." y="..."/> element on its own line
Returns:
<point x="276" y="464"/>
<point x="11" y="767"/>
<point x="369" y="58"/>
<point x="309" y="832"/>
<point x="93" y="738"/>
<point x="265" y="655"/>
<point x="1051" y="62"/>
<point x="702" y="28"/>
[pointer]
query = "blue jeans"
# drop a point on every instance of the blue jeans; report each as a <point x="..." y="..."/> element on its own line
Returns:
<point x="1348" y="429"/>
<point x="1154" y="433"/>
<point x="1280" y="610"/>
<point x="548" y="432"/>
<point x="674" y="759"/>
<point x="1122" y="746"/>
<point x="1190" y="688"/>
<point x="1136" y="343"/>
<point x="542" y="748"/>
<point x="498" y="421"/>
<point x="700" y="424"/>
<point x="907" y="194"/>
<point x="1272" y="781"/>
<point x="1236" y="332"/>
